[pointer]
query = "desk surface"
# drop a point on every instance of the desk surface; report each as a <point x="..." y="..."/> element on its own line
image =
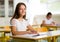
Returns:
<point x="4" y="30"/>
<point x="52" y="26"/>
<point x="42" y="35"/>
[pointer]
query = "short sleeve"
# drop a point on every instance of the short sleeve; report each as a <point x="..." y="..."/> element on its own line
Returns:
<point x="13" y="22"/>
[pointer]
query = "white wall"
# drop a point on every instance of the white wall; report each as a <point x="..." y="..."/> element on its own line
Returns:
<point x="38" y="8"/>
<point x="35" y="8"/>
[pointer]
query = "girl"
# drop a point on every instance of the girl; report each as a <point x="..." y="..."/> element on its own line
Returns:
<point x="19" y="22"/>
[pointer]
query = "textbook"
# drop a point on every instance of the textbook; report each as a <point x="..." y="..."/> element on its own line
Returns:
<point x="40" y="35"/>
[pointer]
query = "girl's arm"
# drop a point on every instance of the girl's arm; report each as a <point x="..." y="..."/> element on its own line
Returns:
<point x="31" y="29"/>
<point x="15" y="32"/>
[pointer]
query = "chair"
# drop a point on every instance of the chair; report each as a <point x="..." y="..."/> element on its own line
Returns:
<point x="3" y="36"/>
<point x="42" y="29"/>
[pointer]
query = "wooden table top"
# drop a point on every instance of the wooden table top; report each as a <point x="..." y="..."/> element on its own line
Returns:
<point x="4" y="30"/>
<point x="42" y="35"/>
<point x="52" y="26"/>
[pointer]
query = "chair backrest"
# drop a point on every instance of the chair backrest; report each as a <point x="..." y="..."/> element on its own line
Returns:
<point x="7" y="28"/>
<point x="42" y="29"/>
<point x="4" y="29"/>
<point x="2" y="34"/>
<point x="11" y="30"/>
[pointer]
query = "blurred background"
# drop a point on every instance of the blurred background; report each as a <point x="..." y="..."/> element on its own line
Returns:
<point x="36" y="10"/>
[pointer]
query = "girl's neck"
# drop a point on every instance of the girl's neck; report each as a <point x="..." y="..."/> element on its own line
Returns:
<point x="20" y="19"/>
<point x="48" y="18"/>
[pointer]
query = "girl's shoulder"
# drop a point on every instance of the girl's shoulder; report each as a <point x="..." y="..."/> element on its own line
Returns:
<point x="14" y="20"/>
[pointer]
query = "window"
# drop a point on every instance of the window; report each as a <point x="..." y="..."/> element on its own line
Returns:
<point x="11" y="9"/>
<point x="6" y="4"/>
<point x="2" y="12"/>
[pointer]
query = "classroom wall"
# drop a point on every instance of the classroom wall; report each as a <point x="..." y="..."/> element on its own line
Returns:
<point x="4" y="21"/>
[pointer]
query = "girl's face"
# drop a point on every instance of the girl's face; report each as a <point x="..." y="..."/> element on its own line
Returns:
<point x="49" y="17"/>
<point x="22" y="10"/>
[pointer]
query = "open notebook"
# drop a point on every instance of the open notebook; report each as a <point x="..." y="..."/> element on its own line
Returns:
<point x="40" y="35"/>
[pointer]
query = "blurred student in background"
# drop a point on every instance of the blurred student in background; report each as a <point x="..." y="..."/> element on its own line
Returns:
<point x="48" y="21"/>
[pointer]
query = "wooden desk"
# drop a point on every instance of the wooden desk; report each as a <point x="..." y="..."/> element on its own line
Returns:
<point x="52" y="26"/>
<point x="3" y="34"/>
<point x="55" y="27"/>
<point x="26" y="39"/>
<point x="4" y="31"/>
<point x="22" y="38"/>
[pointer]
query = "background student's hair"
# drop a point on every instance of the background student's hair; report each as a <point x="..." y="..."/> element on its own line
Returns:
<point x="49" y="13"/>
<point x="16" y="13"/>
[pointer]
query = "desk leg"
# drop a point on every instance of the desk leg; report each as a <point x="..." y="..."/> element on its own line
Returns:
<point x="54" y="39"/>
<point x="49" y="39"/>
<point x="55" y="28"/>
<point x="36" y="40"/>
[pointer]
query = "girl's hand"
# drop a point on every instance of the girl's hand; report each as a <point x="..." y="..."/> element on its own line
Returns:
<point x="34" y="32"/>
<point x="52" y="24"/>
<point x="29" y="32"/>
